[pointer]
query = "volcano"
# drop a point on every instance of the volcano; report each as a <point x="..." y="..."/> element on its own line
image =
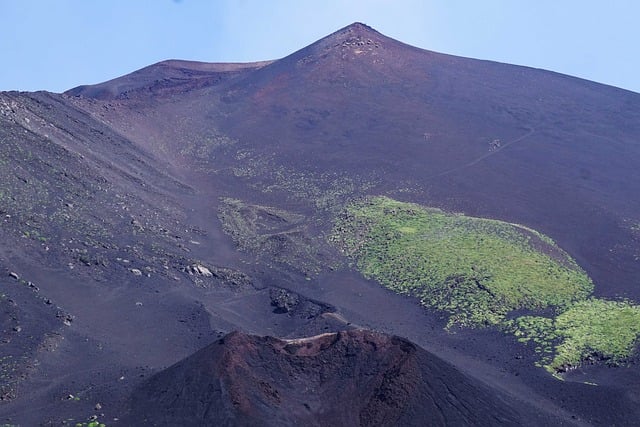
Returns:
<point x="347" y="378"/>
<point x="148" y="217"/>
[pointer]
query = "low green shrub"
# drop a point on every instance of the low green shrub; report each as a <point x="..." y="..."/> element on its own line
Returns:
<point x="475" y="269"/>
<point x="478" y="271"/>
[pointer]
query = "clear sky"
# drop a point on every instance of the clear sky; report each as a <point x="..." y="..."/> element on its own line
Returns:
<point x="58" y="44"/>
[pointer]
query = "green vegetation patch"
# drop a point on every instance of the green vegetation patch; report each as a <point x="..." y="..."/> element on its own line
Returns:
<point x="539" y="331"/>
<point x="591" y="331"/>
<point x="480" y="270"/>
<point x="596" y="330"/>
<point x="477" y="270"/>
<point x="272" y="234"/>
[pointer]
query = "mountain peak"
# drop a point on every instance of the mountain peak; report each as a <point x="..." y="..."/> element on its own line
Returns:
<point x="356" y="40"/>
<point x="356" y="31"/>
<point x="359" y="26"/>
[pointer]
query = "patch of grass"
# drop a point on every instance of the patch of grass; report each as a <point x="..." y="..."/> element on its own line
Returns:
<point x="596" y="330"/>
<point x="477" y="270"/>
<point x="538" y="331"/>
<point x="272" y="234"/>
<point x="590" y="331"/>
<point x="325" y="191"/>
<point x="249" y="225"/>
<point x="91" y="424"/>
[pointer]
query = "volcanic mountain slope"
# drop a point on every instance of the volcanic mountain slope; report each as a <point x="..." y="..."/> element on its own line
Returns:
<point x="146" y="216"/>
<point x="530" y="146"/>
<point x="348" y="378"/>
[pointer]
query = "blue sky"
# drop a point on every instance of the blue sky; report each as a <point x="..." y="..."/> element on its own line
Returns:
<point x="58" y="44"/>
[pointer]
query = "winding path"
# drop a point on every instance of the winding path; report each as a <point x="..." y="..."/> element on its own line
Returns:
<point x="530" y="132"/>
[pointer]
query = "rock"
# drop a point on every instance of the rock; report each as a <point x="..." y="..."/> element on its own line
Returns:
<point x="98" y="407"/>
<point x="294" y="304"/>
<point x="232" y="278"/>
<point x="136" y="225"/>
<point x="199" y="270"/>
<point x="136" y="272"/>
<point x="17" y="328"/>
<point x="14" y="275"/>
<point x="65" y="317"/>
<point x="283" y="300"/>
<point x="203" y="271"/>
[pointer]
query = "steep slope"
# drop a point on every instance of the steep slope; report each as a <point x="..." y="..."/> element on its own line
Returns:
<point x="101" y="245"/>
<point x="534" y="147"/>
<point x="347" y="378"/>
<point x="550" y="151"/>
<point x="85" y="213"/>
